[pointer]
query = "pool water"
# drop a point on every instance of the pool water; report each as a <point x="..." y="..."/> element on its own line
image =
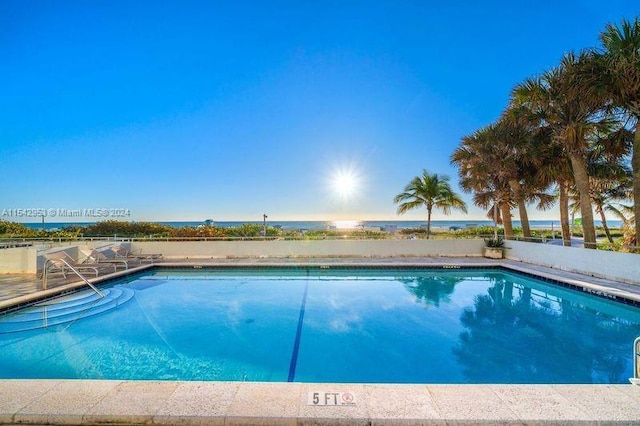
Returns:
<point x="326" y="325"/>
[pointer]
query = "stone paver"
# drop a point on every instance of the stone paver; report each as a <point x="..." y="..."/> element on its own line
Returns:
<point x="470" y="402"/>
<point x="229" y="403"/>
<point x="198" y="403"/>
<point x="401" y="404"/>
<point x="261" y="404"/>
<point x="601" y="400"/>
<point x="131" y="402"/>
<point x="357" y="414"/>
<point x="68" y="401"/>
<point x="17" y="394"/>
<point x="525" y="402"/>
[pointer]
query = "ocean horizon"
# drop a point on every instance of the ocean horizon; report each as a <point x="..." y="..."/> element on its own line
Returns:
<point x="321" y="224"/>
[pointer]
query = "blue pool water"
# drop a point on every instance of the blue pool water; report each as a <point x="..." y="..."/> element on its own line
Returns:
<point x="319" y="325"/>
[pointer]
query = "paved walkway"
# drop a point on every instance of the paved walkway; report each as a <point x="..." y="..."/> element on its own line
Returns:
<point x="237" y="403"/>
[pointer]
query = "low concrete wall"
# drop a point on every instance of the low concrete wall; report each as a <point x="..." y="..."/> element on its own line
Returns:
<point x="623" y="267"/>
<point x="315" y="248"/>
<point x="22" y="260"/>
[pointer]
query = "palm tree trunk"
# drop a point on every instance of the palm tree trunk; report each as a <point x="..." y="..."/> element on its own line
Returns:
<point x="635" y="167"/>
<point x="508" y="292"/>
<point x="582" y="183"/>
<point x="522" y="209"/>
<point x="603" y="218"/>
<point x="524" y="220"/>
<point x="564" y="213"/>
<point x="428" y="222"/>
<point x="506" y="220"/>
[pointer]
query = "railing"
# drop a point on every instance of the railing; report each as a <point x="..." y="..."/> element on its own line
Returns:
<point x="636" y="362"/>
<point x="44" y="243"/>
<point x="68" y="265"/>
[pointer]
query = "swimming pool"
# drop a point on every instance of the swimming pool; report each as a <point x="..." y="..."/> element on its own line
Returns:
<point x="325" y="325"/>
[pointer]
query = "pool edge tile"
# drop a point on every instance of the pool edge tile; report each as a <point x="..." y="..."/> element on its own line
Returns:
<point x="525" y="401"/>
<point x="462" y="404"/>
<point x="66" y="402"/>
<point x="263" y="403"/>
<point x="17" y="394"/>
<point x="131" y="402"/>
<point x="357" y="414"/>
<point x="198" y="403"/>
<point x="401" y="405"/>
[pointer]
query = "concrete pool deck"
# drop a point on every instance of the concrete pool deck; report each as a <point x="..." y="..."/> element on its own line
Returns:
<point x="244" y="403"/>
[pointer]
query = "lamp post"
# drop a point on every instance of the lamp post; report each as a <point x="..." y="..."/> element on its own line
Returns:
<point x="264" y="225"/>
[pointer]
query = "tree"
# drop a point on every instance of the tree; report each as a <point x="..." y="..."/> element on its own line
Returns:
<point x="621" y="59"/>
<point x="566" y="98"/>
<point x="520" y="142"/>
<point x="481" y="172"/>
<point x="429" y="190"/>
<point x="610" y="178"/>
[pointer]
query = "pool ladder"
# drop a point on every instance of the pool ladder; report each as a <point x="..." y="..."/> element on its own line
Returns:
<point x="74" y="270"/>
<point x="635" y="380"/>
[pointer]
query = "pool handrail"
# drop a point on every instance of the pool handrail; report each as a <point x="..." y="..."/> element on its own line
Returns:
<point x="44" y="275"/>
<point x="635" y="380"/>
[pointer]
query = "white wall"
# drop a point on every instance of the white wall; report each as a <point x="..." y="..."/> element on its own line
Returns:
<point x="20" y="260"/>
<point x="623" y="267"/>
<point x="30" y="260"/>
<point x="314" y="248"/>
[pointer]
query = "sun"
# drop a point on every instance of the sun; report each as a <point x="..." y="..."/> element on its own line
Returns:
<point x="344" y="183"/>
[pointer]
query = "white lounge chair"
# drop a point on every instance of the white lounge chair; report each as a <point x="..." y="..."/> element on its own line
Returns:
<point x="95" y="256"/>
<point x="124" y="253"/>
<point x="62" y="262"/>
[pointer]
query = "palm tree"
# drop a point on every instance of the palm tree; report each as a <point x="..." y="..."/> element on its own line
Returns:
<point x="621" y="57"/>
<point x="518" y="155"/>
<point x="429" y="190"/>
<point x="625" y="214"/>
<point x="480" y="172"/>
<point x="565" y="97"/>
<point x="610" y="178"/>
<point x="555" y="166"/>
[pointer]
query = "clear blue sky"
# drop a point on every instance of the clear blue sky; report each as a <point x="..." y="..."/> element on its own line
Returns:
<point x="188" y="110"/>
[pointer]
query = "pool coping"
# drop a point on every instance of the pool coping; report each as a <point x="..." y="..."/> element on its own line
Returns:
<point x="234" y="403"/>
<point x="246" y="403"/>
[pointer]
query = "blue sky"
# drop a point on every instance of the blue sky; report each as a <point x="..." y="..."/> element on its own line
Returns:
<point x="188" y="110"/>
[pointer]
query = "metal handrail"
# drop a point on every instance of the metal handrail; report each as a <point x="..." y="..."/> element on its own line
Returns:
<point x="636" y="362"/>
<point x="44" y="275"/>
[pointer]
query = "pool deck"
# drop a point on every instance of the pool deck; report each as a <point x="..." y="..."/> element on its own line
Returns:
<point x="245" y="403"/>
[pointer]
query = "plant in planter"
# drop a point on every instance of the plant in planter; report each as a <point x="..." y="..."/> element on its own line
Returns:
<point x="494" y="248"/>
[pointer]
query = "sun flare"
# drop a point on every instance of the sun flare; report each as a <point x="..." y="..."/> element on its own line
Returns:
<point x="344" y="183"/>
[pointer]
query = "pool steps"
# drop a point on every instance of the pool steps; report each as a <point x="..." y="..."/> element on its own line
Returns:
<point x="64" y="310"/>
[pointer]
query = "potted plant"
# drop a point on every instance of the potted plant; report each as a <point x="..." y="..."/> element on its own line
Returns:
<point x="494" y="248"/>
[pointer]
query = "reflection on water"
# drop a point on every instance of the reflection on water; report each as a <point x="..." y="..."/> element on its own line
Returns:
<point x="431" y="290"/>
<point x="516" y="333"/>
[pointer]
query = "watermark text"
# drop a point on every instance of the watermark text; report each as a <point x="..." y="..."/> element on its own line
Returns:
<point x="61" y="212"/>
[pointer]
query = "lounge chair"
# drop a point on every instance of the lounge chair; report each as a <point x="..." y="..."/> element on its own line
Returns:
<point x="95" y="256"/>
<point x="124" y="253"/>
<point x="62" y="262"/>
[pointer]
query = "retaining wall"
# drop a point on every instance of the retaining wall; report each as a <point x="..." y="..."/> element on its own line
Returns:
<point x="623" y="267"/>
<point x="315" y="248"/>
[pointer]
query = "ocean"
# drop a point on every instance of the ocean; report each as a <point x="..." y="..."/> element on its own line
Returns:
<point x="315" y="225"/>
